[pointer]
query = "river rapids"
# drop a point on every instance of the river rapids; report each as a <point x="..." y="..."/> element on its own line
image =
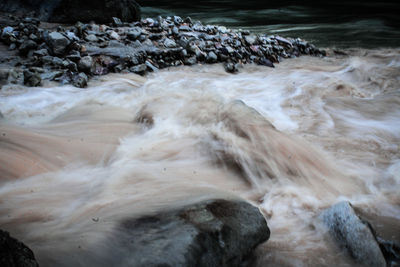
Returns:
<point x="293" y="140"/>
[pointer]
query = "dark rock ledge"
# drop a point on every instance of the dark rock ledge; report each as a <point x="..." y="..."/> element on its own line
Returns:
<point x="72" y="54"/>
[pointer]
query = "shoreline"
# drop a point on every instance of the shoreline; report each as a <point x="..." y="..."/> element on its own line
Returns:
<point x="32" y="51"/>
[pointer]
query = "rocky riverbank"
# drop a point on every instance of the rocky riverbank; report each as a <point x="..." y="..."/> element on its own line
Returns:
<point x="70" y="54"/>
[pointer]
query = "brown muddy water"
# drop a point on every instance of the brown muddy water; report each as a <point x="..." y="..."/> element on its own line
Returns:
<point x="292" y="140"/>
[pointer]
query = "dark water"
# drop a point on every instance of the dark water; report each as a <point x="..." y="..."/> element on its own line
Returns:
<point x="345" y="24"/>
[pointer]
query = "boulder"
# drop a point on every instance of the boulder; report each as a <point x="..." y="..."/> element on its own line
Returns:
<point x="57" y="42"/>
<point x="80" y="80"/>
<point x="32" y="78"/>
<point x="210" y="233"/>
<point x="352" y="234"/>
<point x="71" y="11"/>
<point x="13" y="253"/>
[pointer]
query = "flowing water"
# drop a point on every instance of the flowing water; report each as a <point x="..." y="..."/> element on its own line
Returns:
<point x="293" y="140"/>
<point x="328" y="23"/>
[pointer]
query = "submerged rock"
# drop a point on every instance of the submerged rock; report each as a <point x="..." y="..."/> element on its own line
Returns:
<point x="14" y="253"/>
<point x="353" y="234"/>
<point x="209" y="233"/>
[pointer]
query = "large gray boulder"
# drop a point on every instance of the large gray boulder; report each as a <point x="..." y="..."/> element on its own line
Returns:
<point x="71" y="11"/>
<point x="353" y="234"/>
<point x="210" y="233"/>
<point x="14" y="253"/>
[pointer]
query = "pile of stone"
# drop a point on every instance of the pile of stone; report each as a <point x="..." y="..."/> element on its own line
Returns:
<point x="71" y="54"/>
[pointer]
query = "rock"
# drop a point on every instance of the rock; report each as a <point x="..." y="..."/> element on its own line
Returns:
<point x="283" y="41"/>
<point x="190" y="61"/>
<point x="265" y="62"/>
<point x="80" y="80"/>
<point x="91" y="38"/>
<point x="7" y="30"/>
<point x="151" y="66"/>
<point x="74" y="56"/>
<point x="139" y="69"/>
<point x="51" y="75"/>
<point x="32" y="78"/>
<point x="57" y="42"/>
<point x="353" y="234"/>
<point x="175" y="30"/>
<point x="134" y="33"/>
<point x="209" y="233"/>
<point x="15" y="77"/>
<point x="26" y="46"/>
<point x="169" y="43"/>
<point x="71" y="11"/>
<point x="391" y="251"/>
<point x="231" y="67"/>
<point x="250" y="39"/>
<point x="178" y="20"/>
<point x="116" y="22"/>
<point x="114" y="35"/>
<point x="41" y="52"/>
<point x="14" y="253"/>
<point x="1" y="117"/>
<point x="12" y="46"/>
<point x="185" y="28"/>
<point x="188" y="20"/>
<point x="85" y="64"/>
<point x="211" y="57"/>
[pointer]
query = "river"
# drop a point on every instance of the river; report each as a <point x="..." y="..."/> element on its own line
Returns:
<point x="293" y="140"/>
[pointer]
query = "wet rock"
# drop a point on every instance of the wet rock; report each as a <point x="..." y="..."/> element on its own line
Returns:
<point x="151" y="66"/>
<point x="211" y="57"/>
<point x="265" y="62"/>
<point x="169" y="43"/>
<point x="91" y="38"/>
<point x="51" y="75"/>
<point x="32" y="78"/>
<point x="26" y="46"/>
<point x="231" y="67"/>
<point x="134" y="33"/>
<point x="177" y="20"/>
<point x="14" y="253"/>
<point x="57" y="42"/>
<point x="175" y="30"/>
<point x="190" y="61"/>
<point x="74" y="56"/>
<point x="185" y="28"/>
<point x="209" y="233"/>
<point x="391" y="252"/>
<point x="283" y="41"/>
<point x="85" y="64"/>
<point x="80" y="80"/>
<point x="4" y="76"/>
<point x="250" y="39"/>
<point x="41" y="52"/>
<point x="353" y="234"/>
<point x="7" y="30"/>
<point x="116" y="22"/>
<point x="15" y="77"/>
<point x="114" y="35"/>
<point x="139" y="69"/>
